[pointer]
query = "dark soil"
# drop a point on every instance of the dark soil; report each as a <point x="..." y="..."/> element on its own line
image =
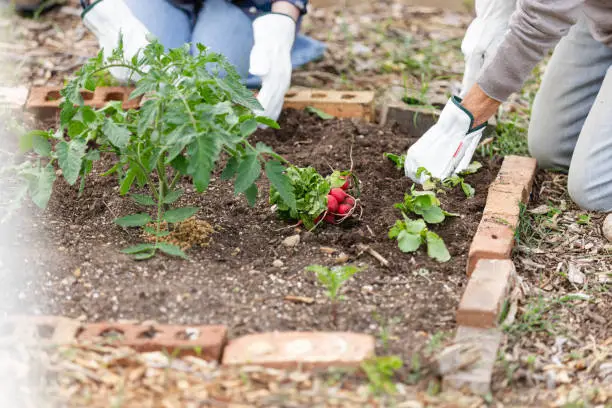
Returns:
<point x="233" y="281"/>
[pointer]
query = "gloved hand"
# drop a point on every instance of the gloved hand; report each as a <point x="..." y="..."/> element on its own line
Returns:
<point x="274" y="35"/>
<point x="447" y="148"/>
<point x="483" y="37"/>
<point x="108" y="20"/>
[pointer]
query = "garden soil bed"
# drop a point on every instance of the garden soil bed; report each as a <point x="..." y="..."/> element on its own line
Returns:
<point x="235" y="280"/>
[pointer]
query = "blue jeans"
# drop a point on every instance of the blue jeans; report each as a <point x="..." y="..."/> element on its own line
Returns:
<point x="221" y="26"/>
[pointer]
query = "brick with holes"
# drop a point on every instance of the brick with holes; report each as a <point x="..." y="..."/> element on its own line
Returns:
<point x="104" y="95"/>
<point x="206" y="342"/>
<point x="341" y="104"/>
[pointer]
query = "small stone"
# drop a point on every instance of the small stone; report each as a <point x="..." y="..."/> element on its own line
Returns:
<point x="342" y="258"/>
<point x="292" y="241"/>
<point x="607" y="228"/>
<point x="278" y="263"/>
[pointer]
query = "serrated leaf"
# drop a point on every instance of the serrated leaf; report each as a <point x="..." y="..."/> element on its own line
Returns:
<point x="143" y="199"/>
<point x="204" y="156"/>
<point x="408" y="242"/>
<point x="264" y="120"/>
<point x="41" y="185"/>
<point x="170" y="249"/>
<point x="468" y="190"/>
<point x="70" y="158"/>
<point x="263" y="148"/>
<point x="127" y="181"/>
<point x="251" y="195"/>
<point x="117" y="135"/>
<point x="275" y="172"/>
<point x="436" y="248"/>
<point x="172" y="196"/>
<point x="230" y="169"/>
<point x="248" y="171"/>
<point x="179" y="214"/>
<point x="248" y="127"/>
<point x="41" y="145"/>
<point x="322" y="115"/>
<point x="134" y="220"/>
<point x="138" y="248"/>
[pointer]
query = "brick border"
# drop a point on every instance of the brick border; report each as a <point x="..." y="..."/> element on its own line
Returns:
<point x="491" y="273"/>
<point x="44" y="102"/>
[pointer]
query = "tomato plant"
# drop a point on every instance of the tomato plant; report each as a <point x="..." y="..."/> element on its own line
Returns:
<point x="196" y="111"/>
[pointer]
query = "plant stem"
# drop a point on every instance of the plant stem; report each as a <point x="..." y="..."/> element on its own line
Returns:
<point x="117" y="65"/>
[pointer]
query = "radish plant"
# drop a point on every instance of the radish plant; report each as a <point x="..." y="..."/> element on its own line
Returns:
<point x="196" y="111"/>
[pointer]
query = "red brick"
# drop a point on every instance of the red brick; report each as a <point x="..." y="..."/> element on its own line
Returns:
<point x="43" y="102"/>
<point x="38" y="330"/>
<point x="485" y="293"/>
<point x="300" y="349"/>
<point x="516" y="176"/>
<point x="476" y="377"/>
<point x="104" y="95"/>
<point x="206" y="342"/>
<point x="341" y="104"/>
<point x="493" y="240"/>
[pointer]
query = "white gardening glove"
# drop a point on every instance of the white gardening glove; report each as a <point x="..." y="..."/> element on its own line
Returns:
<point x="483" y="37"/>
<point x="108" y="20"/>
<point x="447" y="147"/>
<point x="274" y="35"/>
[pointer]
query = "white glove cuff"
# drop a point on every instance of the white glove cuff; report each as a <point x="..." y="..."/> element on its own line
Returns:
<point x="274" y="28"/>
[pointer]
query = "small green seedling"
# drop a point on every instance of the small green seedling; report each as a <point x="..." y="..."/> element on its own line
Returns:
<point x="380" y="372"/>
<point x="411" y="234"/>
<point x="584" y="219"/>
<point x="424" y="204"/>
<point x="333" y="279"/>
<point x="322" y="115"/>
<point x="398" y="161"/>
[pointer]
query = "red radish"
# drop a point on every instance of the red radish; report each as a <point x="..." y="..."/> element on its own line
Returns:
<point x="316" y="220"/>
<point x="338" y="193"/>
<point x="344" y="209"/>
<point x="330" y="218"/>
<point x="332" y="203"/>
<point x="349" y="201"/>
<point x="347" y="184"/>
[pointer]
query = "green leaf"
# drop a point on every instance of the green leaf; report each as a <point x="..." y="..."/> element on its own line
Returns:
<point x="153" y="231"/>
<point x="144" y="200"/>
<point x="251" y="195"/>
<point x="397" y="160"/>
<point x="267" y="122"/>
<point x="468" y="190"/>
<point x="127" y="182"/>
<point x="41" y="145"/>
<point x="172" y="196"/>
<point x="202" y="161"/>
<point x="134" y="220"/>
<point x="230" y="169"/>
<point x="436" y="248"/>
<point x="415" y="227"/>
<point x="263" y="148"/>
<point x="170" y="249"/>
<point x="433" y="215"/>
<point x="472" y="168"/>
<point x="408" y="242"/>
<point x="70" y="158"/>
<point x="117" y="135"/>
<point x="179" y="214"/>
<point x="249" y="171"/>
<point x="144" y="255"/>
<point x="248" y="127"/>
<point x="138" y="248"/>
<point x="40" y="185"/>
<point x="322" y="115"/>
<point x="275" y="172"/>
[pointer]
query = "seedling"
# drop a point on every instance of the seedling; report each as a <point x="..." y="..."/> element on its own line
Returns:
<point x="424" y="204"/>
<point x="411" y="234"/>
<point x="333" y="279"/>
<point x="584" y="219"/>
<point x="398" y="161"/>
<point x="191" y="117"/>
<point x="380" y="372"/>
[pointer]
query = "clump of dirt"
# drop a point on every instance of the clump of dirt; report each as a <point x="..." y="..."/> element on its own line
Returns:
<point x="192" y="232"/>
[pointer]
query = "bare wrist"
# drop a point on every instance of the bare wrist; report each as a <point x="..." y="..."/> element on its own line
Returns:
<point x="480" y="105"/>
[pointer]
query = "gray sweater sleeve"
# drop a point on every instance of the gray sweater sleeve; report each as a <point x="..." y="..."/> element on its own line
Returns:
<point x="535" y="27"/>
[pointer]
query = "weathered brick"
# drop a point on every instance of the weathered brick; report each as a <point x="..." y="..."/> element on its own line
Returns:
<point x="516" y="176"/>
<point x="341" y="104"/>
<point x="44" y="102"/>
<point x="476" y="377"/>
<point x="485" y="293"/>
<point x="104" y="95"/>
<point x="38" y="330"/>
<point x="300" y="349"/>
<point x="494" y="239"/>
<point x="206" y="342"/>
